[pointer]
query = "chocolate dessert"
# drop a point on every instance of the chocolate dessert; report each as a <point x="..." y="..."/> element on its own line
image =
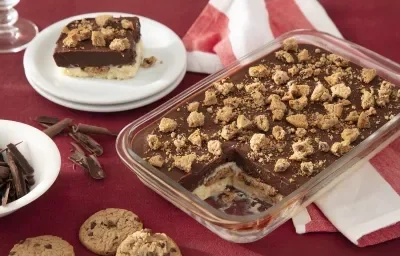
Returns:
<point x="102" y="47"/>
<point x="252" y="138"/>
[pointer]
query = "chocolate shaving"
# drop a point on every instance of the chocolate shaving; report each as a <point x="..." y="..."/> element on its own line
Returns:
<point x="4" y="172"/>
<point x="87" y="143"/>
<point x="58" y="127"/>
<point x="20" y="159"/>
<point x="47" y="120"/>
<point x="4" y="198"/>
<point x="90" y="164"/>
<point x="16" y="144"/>
<point x="78" y="148"/>
<point x="20" y="188"/>
<point x="3" y="164"/>
<point x="91" y="129"/>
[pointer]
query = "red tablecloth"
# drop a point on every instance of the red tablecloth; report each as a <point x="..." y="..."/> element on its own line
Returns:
<point x="75" y="196"/>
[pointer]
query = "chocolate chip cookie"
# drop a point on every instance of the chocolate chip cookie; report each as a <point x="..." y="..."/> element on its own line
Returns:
<point x="42" y="246"/>
<point x="144" y="243"/>
<point x="104" y="231"/>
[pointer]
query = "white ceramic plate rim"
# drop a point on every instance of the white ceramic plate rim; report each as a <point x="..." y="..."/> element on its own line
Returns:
<point x="52" y="168"/>
<point x="106" y="108"/>
<point x="155" y="87"/>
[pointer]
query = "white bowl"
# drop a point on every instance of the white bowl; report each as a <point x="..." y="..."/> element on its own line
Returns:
<point x="40" y="151"/>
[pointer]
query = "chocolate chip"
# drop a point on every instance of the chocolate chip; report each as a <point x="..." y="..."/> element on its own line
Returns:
<point x="12" y="253"/>
<point x="48" y="246"/>
<point x="90" y="233"/>
<point x="36" y="245"/>
<point x="162" y="245"/>
<point x="150" y="254"/>
<point x="93" y="224"/>
<point x="172" y="250"/>
<point x="166" y="254"/>
<point x="111" y="224"/>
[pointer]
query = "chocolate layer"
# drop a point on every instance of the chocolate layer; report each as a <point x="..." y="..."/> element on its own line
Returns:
<point x="238" y="148"/>
<point x="85" y="54"/>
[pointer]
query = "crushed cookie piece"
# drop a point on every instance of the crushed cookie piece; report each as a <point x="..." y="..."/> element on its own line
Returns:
<point x="350" y="134"/>
<point x="281" y="165"/>
<point x="303" y="55"/>
<point x="98" y="39"/>
<point x="278" y="132"/>
<point x="278" y="108"/>
<point x="127" y="24"/>
<point x="293" y="70"/>
<point x="306" y="73"/>
<point x="229" y="131"/>
<point x="363" y="121"/>
<point x="233" y="102"/>
<point x="298" y="120"/>
<point x="341" y="91"/>
<point x="335" y="78"/>
<point x="195" y="138"/>
<point x="180" y="142"/>
<point x="184" y="162"/>
<point x="301" y="150"/>
<point x="328" y="121"/>
<point x="280" y="77"/>
<point x="352" y="116"/>
<point x="225" y="114"/>
<point x="215" y="147"/>
<point x="335" y="109"/>
<point x="301" y="132"/>
<point x="307" y="167"/>
<point x="103" y="20"/>
<point x="243" y="122"/>
<point x="240" y="86"/>
<point x="371" y="111"/>
<point x="290" y="44"/>
<point x="317" y="71"/>
<point x="338" y="60"/>
<point x="65" y="30"/>
<point x="173" y="134"/>
<point x="156" y="161"/>
<point x="119" y="44"/>
<point x="317" y="50"/>
<point x="258" y="98"/>
<point x="71" y="41"/>
<point x="340" y="148"/>
<point x="249" y="88"/>
<point x="298" y="104"/>
<point x="153" y="142"/>
<point x="210" y="98"/>
<point x="224" y="88"/>
<point x="323" y="146"/>
<point x="368" y="75"/>
<point x="209" y="110"/>
<point x="299" y="90"/>
<point x="193" y="106"/>
<point x="344" y="102"/>
<point x="284" y="56"/>
<point x="258" y="142"/>
<point x="320" y="93"/>
<point x="167" y="125"/>
<point x="367" y="99"/>
<point x="195" y="119"/>
<point x="108" y="33"/>
<point x="148" y="62"/>
<point x="384" y="93"/>
<point x="259" y="71"/>
<point x="262" y="122"/>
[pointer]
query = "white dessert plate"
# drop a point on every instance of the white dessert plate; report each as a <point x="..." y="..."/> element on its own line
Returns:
<point x="41" y="153"/>
<point x="158" y="41"/>
<point x="106" y="108"/>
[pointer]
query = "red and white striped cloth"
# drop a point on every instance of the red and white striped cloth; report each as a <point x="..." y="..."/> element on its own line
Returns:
<point x="366" y="206"/>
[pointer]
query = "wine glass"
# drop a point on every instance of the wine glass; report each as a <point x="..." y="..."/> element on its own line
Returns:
<point x="15" y="33"/>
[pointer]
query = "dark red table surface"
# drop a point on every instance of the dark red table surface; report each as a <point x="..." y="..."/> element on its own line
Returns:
<point x="74" y="196"/>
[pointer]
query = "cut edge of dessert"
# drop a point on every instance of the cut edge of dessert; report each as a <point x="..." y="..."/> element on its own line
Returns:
<point x="104" y="47"/>
<point x="298" y="108"/>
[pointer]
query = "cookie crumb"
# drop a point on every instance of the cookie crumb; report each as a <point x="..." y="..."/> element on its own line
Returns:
<point x="262" y="122"/>
<point x="167" y="125"/>
<point x="243" y="122"/>
<point x="153" y="142"/>
<point x="368" y="75"/>
<point x="284" y="56"/>
<point x="298" y="120"/>
<point x="303" y="55"/>
<point x="127" y="24"/>
<point x="185" y="162"/>
<point x="280" y="77"/>
<point x="98" y="39"/>
<point x="229" y="131"/>
<point x="156" y="161"/>
<point x="301" y="150"/>
<point x="307" y="167"/>
<point x="259" y="71"/>
<point x="363" y="121"/>
<point x="103" y="20"/>
<point x="148" y="62"/>
<point x="290" y="44"/>
<point x="195" y="119"/>
<point x="195" y="138"/>
<point x="278" y="132"/>
<point x="258" y="142"/>
<point x="193" y="106"/>
<point x="225" y="114"/>
<point x="224" y="88"/>
<point x="210" y="98"/>
<point x="120" y="45"/>
<point x="323" y="146"/>
<point x="320" y="93"/>
<point x="281" y="165"/>
<point x="341" y="91"/>
<point x="215" y="147"/>
<point x="350" y="135"/>
<point x="340" y="148"/>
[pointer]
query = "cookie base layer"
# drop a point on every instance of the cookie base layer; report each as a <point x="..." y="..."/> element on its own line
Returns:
<point x="109" y="72"/>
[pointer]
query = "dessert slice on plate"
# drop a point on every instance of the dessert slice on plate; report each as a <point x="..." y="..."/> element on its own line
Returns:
<point x="103" y="47"/>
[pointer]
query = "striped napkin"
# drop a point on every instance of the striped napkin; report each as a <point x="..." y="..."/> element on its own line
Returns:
<point x="366" y="206"/>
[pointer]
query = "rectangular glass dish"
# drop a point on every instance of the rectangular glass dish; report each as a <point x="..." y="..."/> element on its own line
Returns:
<point x="249" y="228"/>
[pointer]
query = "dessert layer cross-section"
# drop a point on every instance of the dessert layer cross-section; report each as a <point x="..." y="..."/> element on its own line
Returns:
<point x="252" y="138"/>
<point x="102" y="47"/>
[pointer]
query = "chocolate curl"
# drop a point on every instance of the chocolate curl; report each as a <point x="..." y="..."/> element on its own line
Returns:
<point x="87" y="143"/>
<point x="91" y="129"/>
<point x="78" y="148"/>
<point x="4" y="199"/>
<point x="20" y="159"/>
<point x="58" y="127"/>
<point x="20" y="187"/>
<point x="47" y="120"/>
<point x="1" y="151"/>
<point x="90" y="164"/>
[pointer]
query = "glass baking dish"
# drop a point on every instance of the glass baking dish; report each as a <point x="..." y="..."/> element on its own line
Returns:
<point x="249" y="228"/>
